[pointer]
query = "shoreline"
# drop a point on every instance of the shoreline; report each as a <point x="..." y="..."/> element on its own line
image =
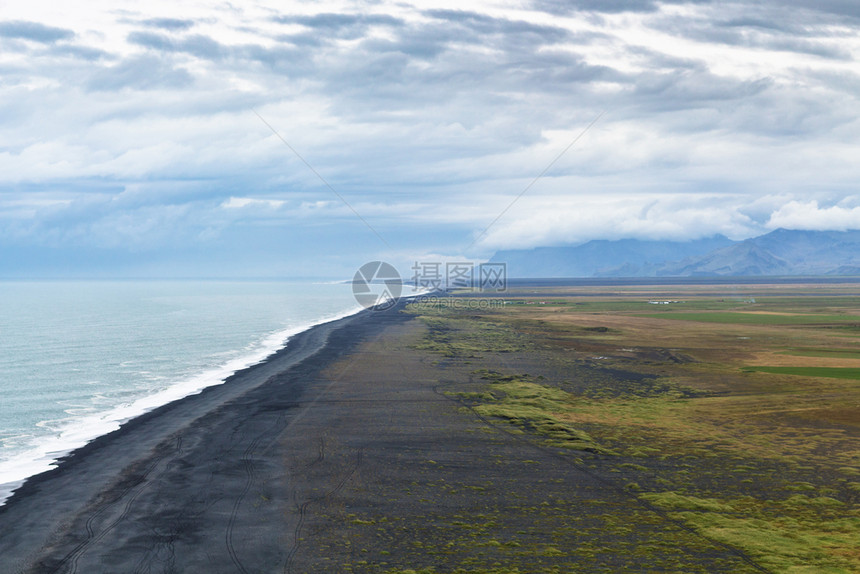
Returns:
<point x="35" y="515"/>
<point x="405" y="442"/>
<point x="49" y="453"/>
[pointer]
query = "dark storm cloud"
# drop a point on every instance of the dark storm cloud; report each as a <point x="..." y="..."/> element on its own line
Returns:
<point x="423" y="43"/>
<point x="324" y="28"/>
<point x="680" y="90"/>
<point x="480" y="29"/>
<point x="517" y="57"/>
<point x="775" y="29"/>
<point x="152" y="40"/>
<point x="144" y="72"/>
<point x="33" y="31"/>
<point x="385" y="67"/>
<point x="50" y="53"/>
<point x="339" y="22"/>
<point x="505" y="35"/>
<point x="203" y="47"/>
<point x="168" y="23"/>
<point x="438" y="104"/>
<point x="79" y="52"/>
<point x="791" y="9"/>
<point x="829" y="50"/>
<point x="845" y="8"/>
<point x="842" y="81"/>
<point x="566" y="7"/>
<point x="197" y="45"/>
<point x="285" y="57"/>
<point x="753" y="33"/>
<point x="767" y="23"/>
<point x="655" y="60"/>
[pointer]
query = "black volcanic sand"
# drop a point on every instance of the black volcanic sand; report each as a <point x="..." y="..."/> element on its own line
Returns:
<point x="343" y="453"/>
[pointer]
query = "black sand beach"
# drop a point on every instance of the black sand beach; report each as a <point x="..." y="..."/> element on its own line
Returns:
<point x="169" y="491"/>
<point x="345" y="452"/>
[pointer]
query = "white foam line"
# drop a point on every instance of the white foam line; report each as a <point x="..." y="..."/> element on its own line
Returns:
<point x="44" y="455"/>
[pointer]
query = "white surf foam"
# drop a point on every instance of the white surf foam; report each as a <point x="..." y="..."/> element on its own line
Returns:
<point x="76" y="432"/>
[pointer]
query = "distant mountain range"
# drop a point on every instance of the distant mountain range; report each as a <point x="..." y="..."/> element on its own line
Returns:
<point x="781" y="252"/>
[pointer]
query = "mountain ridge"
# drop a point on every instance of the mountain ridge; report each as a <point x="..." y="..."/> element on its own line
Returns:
<point x="780" y="252"/>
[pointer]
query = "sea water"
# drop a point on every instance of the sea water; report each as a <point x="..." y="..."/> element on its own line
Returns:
<point x="77" y="358"/>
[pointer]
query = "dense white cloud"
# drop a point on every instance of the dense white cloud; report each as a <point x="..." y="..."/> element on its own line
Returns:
<point x="130" y="127"/>
<point x="552" y="220"/>
<point x="808" y="215"/>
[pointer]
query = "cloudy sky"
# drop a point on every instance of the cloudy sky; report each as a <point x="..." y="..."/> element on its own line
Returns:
<point x="139" y="138"/>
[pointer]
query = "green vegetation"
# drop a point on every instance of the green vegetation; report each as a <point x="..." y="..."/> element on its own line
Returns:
<point x="828" y="372"/>
<point x="533" y="407"/>
<point x="800" y="534"/>
<point x="697" y="425"/>
<point x="483" y="336"/>
<point x="757" y="318"/>
<point x="501" y="570"/>
<point x="826" y="353"/>
<point x="637" y="304"/>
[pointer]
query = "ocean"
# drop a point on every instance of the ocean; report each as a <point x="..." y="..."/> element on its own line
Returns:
<point x="78" y="358"/>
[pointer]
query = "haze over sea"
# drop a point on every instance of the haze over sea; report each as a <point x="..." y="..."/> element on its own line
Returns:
<point x="77" y="358"/>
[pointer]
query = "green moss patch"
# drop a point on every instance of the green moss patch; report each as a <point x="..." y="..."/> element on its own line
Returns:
<point x="535" y="408"/>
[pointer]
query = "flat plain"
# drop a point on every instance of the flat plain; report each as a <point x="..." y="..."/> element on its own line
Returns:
<point x="730" y="412"/>
<point x="659" y="429"/>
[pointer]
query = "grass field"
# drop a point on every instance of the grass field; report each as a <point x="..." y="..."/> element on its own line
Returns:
<point x="760" y="318"/>
<point x="829" y="372"/>
<point x="826" y="353"/>
<point x="737" y="415"/>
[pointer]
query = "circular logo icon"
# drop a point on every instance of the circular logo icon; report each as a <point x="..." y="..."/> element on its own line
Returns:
<point x="377" y="285"/>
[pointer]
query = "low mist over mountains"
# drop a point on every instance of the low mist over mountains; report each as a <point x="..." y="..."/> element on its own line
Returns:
<point x="781" y="252"/>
